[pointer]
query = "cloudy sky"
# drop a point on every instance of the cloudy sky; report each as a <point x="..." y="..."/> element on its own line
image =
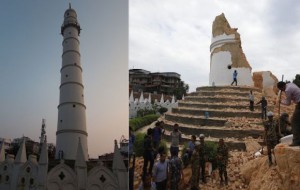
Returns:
<point x="175" y="35"/>
<point x="30" y="52"/>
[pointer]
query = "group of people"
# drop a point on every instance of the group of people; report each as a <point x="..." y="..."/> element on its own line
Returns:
<point x="164" y="170"/>
<point x="197" y="152"/>
<point x="170" y="171"/>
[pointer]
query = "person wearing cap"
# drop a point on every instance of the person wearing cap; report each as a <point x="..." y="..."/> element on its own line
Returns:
<point x="264" y="104"/>
<point x="292" y="92"/>
<point x="195" y="163"/>
<point x="203" y="157"/>
<point x="222" y="160"/>
<point x="271" y="134"/>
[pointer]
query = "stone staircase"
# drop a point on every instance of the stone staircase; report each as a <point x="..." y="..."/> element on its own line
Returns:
<point x="229" y="115"/>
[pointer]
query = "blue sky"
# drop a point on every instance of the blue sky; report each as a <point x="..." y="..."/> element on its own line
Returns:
<point x="175" y="35"/>
<point x="30" y="51"/>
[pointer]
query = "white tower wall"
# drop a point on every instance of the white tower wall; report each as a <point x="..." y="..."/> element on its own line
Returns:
<point x="219" y="73"/>
<point x="71" y="123"/>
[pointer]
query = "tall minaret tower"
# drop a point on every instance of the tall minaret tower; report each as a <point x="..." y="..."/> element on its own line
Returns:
<point x="71" y="123"/>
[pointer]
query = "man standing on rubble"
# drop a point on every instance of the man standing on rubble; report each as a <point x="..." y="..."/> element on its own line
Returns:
<point x="222" y="160"/>
<point x="203" y="157"/>
<point x="292" y="92"/>
<point x="271" y="135"/>
<point x="195" y="163"/>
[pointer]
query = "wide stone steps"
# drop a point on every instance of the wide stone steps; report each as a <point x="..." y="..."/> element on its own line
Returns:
<point x="226" y="93"/>
<point x="228" y="88"/>
<point x="220" y="106"/>
<point x="209" y="99"/>
<point x="217" y="132"/>
<point x="229" y="115"/>
<point x="194" y="120"/>
<point x="214" y="105"/>
<point x="216" y="113"/>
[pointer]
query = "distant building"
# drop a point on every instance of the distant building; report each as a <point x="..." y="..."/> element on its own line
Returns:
<point x="6" y="142"/>
<point x="157" y="83"/>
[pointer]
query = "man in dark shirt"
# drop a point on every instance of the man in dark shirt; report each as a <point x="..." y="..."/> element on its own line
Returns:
<point x="148" y="154"/>
<point x="264" y="104"/>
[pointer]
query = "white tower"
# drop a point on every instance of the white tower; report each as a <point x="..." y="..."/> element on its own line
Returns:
<point x="71" y="123"/>
<point x="227" y="55"/>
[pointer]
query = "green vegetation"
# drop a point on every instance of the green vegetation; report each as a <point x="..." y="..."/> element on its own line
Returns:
<point x="185" y="160"/>
<point x="211" y="150"/>
<point x="140" y="122"/>
<point x="138" y="146"/>
<point x="162" y="110"/>
<point x="163" y="143"/>
<point x="181" y="90"/>
<point x="297" y="80"/>
<point x="145" y="111"/>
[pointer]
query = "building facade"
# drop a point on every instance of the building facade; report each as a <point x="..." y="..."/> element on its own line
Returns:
<point x="157" y="83"/>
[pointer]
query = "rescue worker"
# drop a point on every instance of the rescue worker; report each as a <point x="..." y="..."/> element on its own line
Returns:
<point x="222" y="160"/>
<point x="203" y="157"/>
<point x="271" y="134"/>
<point x="195" y="163"/>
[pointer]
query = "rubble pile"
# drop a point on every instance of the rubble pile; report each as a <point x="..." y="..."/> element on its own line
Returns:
<point x="285" y="174"/>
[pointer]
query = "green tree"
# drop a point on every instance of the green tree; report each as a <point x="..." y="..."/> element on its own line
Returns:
<point x="297" y="80"/>
<point x="181" y="90"/>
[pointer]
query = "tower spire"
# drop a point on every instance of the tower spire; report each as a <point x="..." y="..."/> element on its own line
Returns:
<point x="70" y="5"/>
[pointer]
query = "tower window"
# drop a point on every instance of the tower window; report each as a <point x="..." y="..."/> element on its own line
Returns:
<point x="22" y="180"/>
<point x="5" y="168"/>
<point x="7" y="178"/>
<point x="67" y="75"/>
<point x="31" y="181"/>
<point x="61" y="176"/>
<point x="74" y="105"/>
<point x="28" y="169"/>
<point x="61" y="120"/>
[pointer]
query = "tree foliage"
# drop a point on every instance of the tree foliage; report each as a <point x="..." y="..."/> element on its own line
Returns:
<point x="181" y="90"/>
<point x="297" y="80"/>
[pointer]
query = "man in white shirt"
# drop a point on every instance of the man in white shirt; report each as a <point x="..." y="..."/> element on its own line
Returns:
<point x="175" y="140"/>
<point x="292" y="92"/>
<point x="160" y="172"/>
